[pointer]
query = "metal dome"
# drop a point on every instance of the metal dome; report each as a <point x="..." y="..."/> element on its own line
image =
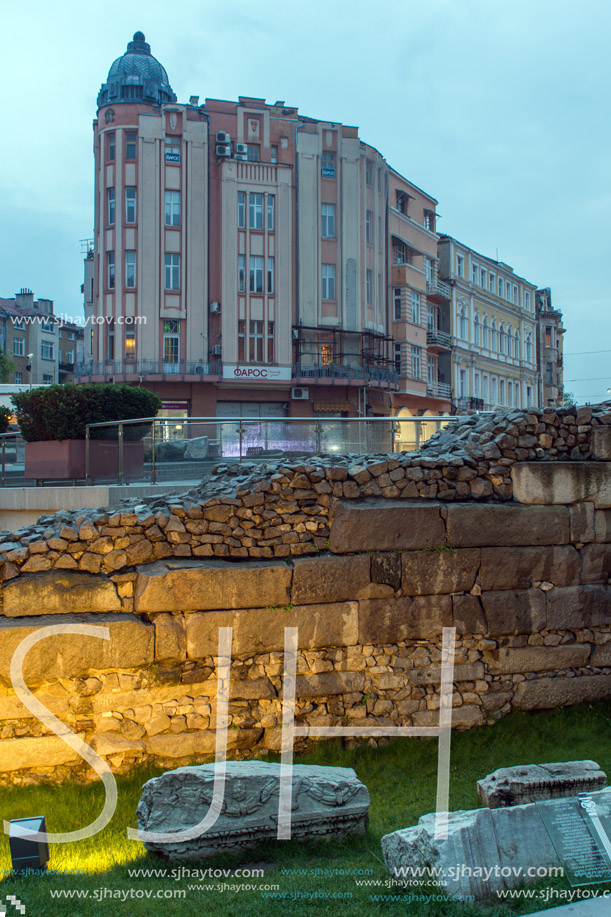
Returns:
<point x="136" y="76"/>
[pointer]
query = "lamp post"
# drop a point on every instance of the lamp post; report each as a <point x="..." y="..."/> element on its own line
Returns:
<point x="30" y="356"/>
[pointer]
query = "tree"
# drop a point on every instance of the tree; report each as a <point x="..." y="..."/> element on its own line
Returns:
<point x="6" y="367"/>
<point x="568" y="400"/>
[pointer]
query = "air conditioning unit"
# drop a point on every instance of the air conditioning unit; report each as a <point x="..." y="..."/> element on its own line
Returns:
<point x="215" y="308"/>
<point x="241" y="156"/>
<point x="241" y="148"/>
<point x="300" y="394"/>
<point x="217" y="350"/>
<point x="223" y="137"/>
<point x="223" y="150"/>
<point x="295" y="334"/>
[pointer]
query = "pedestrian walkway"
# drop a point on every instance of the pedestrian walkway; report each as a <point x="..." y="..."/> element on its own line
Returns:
<point x="594" y="907"/>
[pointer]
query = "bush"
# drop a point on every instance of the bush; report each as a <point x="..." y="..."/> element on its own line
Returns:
<point x="59" y="412"/>
<point x="5" y="416"/>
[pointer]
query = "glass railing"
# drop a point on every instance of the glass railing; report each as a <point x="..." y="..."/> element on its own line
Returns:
<point x="12" y="459"/>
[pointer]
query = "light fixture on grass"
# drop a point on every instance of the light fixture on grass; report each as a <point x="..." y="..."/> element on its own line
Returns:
<point x="28" y="852"/>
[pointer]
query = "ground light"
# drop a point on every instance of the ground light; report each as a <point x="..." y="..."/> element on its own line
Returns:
<point x="28" y="853"/>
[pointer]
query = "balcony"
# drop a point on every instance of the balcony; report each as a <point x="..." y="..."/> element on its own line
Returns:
<point x="119" y="370"/>
<point x="336" y="373"/>
<point x="439" y="340"/>
<point x="470" y="404"/>
<point x="439" y="389"/>
<point x="438" y="290"/>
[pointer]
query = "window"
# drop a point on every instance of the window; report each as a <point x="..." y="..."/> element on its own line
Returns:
<point x="500" y="286"/>
<point x="368" y="285"/>
<point x="271" y="210"/>
<point x="431" y="371"/>
<point x="71" y="336"/>
<point x="515" y="294"/>
<point x="270" y="274"/>
<point x="110" y="264"/>
<point x="328" y="164"/>
<point x="131" y="140"/>
<point x="110" y="146"/>
<point x="493" y="390"/>
<point x="274" y="153"/>
<point x="494" y="337"/>
<point x="130" y="270"/>
<point x="130" y="345"/>
<point x="429" y="220"/>
<point x="172" y="208"/>
<point x="47" y="377"/>
<point x="255" y="211"/>
<point x="19" y="347"/>
<point x="172" y="272"/>
<point x="326" y="353"/>
<point x="464" y="325"/>
<point x="482" y="278"/>
<point x="502" y="342"/>
<point x="171" y="342"/>
<point x="491" y="282"/>
<point x="47" y="350"/>
<point x="397" y="358"/>
<point x="253" y="152"/>
<point x="549" y="373"/>
<point x="517" y="346"/>
<point x="328" y="281"/>
<point x="241" y="209"/>
<point x="110" y="201"/>
<point x="415" y="297"/>
<point x="172" y="149"/>
<point x="270" y="342"/>
<point x="396" y="299"/>
<point x="476" y="385"/>
<point x="402" y="254"/>
<point x="241" y="340"/>
<point x="241" y="273"/>
<point x="416" y="362"/>
<point x="474" y="273"/>
<point x="527" y="301"/>
<point x="255" y="342"/>
<point x="508" y="298"/>
<point x="529" y="396"/>
<point x="369" y="227"/>
<point x="485" y="389"/>
<point x="509" y="345"/>
<point x="460" y="265"/>
<point x="130" y="205"/>
<point x="476" y="337"/>
<point x="48" y="327"/>
<point x="509" y="394"/>
<point x="463" y="383"/>
<point x="369" y="171"/>
<point x="548" y="336"/>
<point x="402" y="202"/>
<point x="328" y="221"/>
<point x="255" y="272"/>
<point x="18" y="378"/>
<point x="429" y="272"/>
<point x="485" y="334"/>
<point x="111" y="340"/>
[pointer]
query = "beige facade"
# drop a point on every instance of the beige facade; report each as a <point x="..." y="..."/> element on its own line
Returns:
<point x="550" y="350"/>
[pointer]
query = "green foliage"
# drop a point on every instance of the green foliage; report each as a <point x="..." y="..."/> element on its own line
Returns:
<point x="60" y="412"/>
<point x="568" y="400"/>
<point x="6" y="367"/>
<point x="5" y="416"/>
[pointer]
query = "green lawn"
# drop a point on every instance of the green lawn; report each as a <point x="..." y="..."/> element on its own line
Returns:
<point x="401" y="778"/>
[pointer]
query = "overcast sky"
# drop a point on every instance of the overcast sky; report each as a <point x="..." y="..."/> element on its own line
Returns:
<point x="499" y="110"/>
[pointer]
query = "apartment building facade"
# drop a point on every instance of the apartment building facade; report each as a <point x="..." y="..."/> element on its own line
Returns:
<point x="550" y="338"/>
<point x="251" y="261"/>
<point x="494" y="328"/>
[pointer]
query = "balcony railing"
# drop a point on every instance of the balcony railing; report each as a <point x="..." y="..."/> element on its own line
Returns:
<point x="441" y="338"/>
<point x="439" y="389"/>
<point x="434" y="285"/>
<point x="147" y="367"/>
<point x="338" y="371"/>
<point x="470" y="404"/>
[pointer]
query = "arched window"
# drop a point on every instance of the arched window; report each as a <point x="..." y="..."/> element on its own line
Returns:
<point x="476" y="329"/>
<point x="485" y="338"/>
<point x="464" y="327"/>
<point x="502" y="341"/>
<point x="494" y="343"/>
<point x="517" y="350"/>
<point x="529" y="348"/>
<point x="509" y="347"/>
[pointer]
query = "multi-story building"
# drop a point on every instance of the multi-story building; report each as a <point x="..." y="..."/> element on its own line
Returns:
<point x="250" y="261"/>
<point x="42" y="347"/>
<point x="494" y="331"/>
<point x="550" y="333"/>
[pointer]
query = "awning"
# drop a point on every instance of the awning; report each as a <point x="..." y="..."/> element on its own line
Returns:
<point x="332" y="406"/>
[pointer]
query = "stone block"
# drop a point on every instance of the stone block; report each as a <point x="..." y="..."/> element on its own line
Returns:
<point x="521" y="659"/>
<point x="562" y="482"/>
<point x="578" y="607"/>
<point x="596" y="567"/>
<point x="113" y="743"/>
<point x="468" y="615"/>
<point x="386" y="570"/>
<point x="329" y="683"/>
<point x="70" y="655"/>
<point x="544" y="693"/>
<point x="501" y="524"/>
<point x="439" y="572"/>
<point x="601" y="656"/>
<point x="189" y="744"/>
<point x="170" y="638"/>
<point x="329" y="579"/>
<point x="262" y="630"/>
<point x="174" y="585"/>
<point x="514" y="611"/>
<point x="327" y="802"/>
<point x="59" y="592"/>
<point x="11" y="707"/>
<point x="386" y="525"/>
<point x="516" y="786"/>
<point x="391" y="620"/>
<point x="583" y="518"/>
<point x="518" y="568"/>
<point x="47" y="751"/>
<point x="602" y="525"/>
<point x="600" y="442"/>
<point x="432" y="675"/>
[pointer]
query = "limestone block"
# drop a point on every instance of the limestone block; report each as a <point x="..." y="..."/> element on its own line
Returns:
<point x="583" y="522"/>
<point x="170" y="638"/>
<point x="327" y="802"/>
<point x="175" y="585"/>
<point x="59" y="592"/>
<point x="439" y="572"/>
<point x="520" y="611"/>
<point x="386" y="570"/>
<point x="518" y="568"/>
<point x="509" y="659"/>
<point x="562" y="482"/>
<point x="188" y="744"/>
<point x="386" y="525"/>
<point x="601" y="656"/>
<point x="70" y="655"/>
<point x="596" y="563"/>
<point x="11" y="707"/>
<point x="578" y="607"/>
<point x="515" y="786"/>
<point x="329" y="683"/>
<point x="47" y="751"/>
<point x="329" y="579"/>
<point x="261" y="630"/>
<point x="113" y="743"/>
<point x="432" y="674"/>
<point x="468" y="615"/>
<point x="390" y="620"/>
<point x="543" y="693"/>
<point x="500" y="524"/>
<point x="602" y="525"/>
<point x="600" y="442"/>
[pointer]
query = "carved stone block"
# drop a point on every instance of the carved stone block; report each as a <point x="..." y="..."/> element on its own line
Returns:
<point x="514" y="786"/>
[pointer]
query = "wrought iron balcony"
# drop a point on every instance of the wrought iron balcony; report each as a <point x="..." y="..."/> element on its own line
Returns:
<point x="439" y="338"/>
<point x="439" y="389"/>
<point x="147" y="367"/>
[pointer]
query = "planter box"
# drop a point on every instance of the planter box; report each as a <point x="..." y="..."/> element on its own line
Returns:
<point x="65" y="460"/>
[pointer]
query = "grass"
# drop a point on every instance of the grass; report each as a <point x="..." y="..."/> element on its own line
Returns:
<point x="401" y="778"/>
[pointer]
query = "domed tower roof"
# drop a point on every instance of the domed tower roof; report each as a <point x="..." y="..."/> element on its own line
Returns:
<point x="136" y="76"/>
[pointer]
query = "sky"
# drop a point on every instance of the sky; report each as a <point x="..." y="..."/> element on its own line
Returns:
<point x="499" y="110"/>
